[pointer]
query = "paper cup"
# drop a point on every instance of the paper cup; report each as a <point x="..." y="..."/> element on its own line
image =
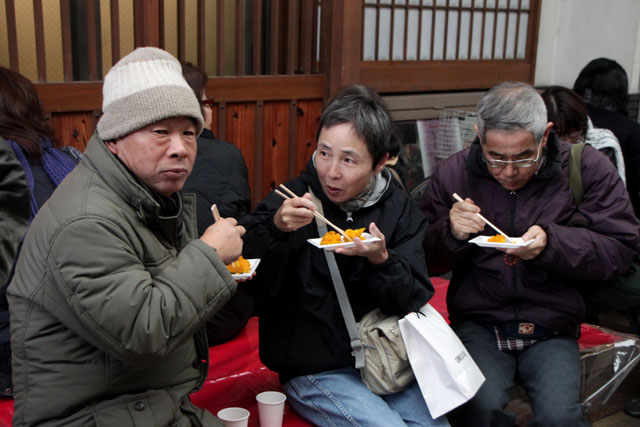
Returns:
<point x="234" y="417"/>
<point x="271" y="408"/>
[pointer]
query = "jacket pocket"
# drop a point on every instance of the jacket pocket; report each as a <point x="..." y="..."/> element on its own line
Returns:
<point x="154" y="408"/>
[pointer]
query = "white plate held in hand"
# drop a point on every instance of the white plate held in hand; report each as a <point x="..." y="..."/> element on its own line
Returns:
<point x="368" y="238"/>
<point x="516" y="242"/>
<point x="253" y="264"/>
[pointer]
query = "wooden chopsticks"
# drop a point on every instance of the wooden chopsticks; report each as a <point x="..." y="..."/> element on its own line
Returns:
<point x="508" y="239"/>
<point x="215" y="212"/>
<point x="319" y="216"/>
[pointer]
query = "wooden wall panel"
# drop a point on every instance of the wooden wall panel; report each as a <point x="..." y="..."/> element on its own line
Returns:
<point x="388" y="77"/>
<point x="74" y="129"/>
<point x="308" y="117"/>
<point x="275" y="145"/>
<point x="241" y="133"/>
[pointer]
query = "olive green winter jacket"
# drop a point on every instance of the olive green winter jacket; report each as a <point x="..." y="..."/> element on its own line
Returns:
<point x="106" y="313"/>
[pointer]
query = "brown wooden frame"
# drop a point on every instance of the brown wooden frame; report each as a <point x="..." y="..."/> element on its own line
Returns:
<point x="87" y="96"/>
<point x="341" y="33"/>
<point x="273" y="118"/>
<point x="436" y="75"/>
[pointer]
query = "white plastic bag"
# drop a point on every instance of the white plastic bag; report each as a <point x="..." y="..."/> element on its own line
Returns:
<point x="446" y="373"/>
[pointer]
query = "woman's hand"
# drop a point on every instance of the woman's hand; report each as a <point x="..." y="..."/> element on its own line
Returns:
<point x="294" y="213"/>
<point x="375" y="252"/>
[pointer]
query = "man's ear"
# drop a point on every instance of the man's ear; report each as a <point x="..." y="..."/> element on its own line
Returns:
<point x="546" y="134"/>
<point x="112" y="146"/>
<point x="381" y="164"/>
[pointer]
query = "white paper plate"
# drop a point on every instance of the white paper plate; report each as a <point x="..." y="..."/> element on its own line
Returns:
<point x="369" y="238"/>
<point x="253" y="262"/>
<point x="483" y="241"/>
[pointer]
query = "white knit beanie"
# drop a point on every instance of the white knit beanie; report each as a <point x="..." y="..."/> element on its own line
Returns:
<point x="144" y="87"/>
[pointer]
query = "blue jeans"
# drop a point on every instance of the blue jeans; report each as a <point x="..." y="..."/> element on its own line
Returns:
<point x="548" y="370"/>
<point x="340" y="398"/>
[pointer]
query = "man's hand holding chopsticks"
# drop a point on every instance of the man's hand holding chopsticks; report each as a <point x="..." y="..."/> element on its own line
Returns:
<point x="295" y="212"/>
<point x="464" y="219"/>
<point x="225" y="236"/>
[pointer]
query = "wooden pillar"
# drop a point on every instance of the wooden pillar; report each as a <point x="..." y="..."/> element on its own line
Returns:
<point x="342" y="50"/>
<point x="147" y="23"/>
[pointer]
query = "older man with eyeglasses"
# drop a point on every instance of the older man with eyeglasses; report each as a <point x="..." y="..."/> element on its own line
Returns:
<point x="518" y="310"/>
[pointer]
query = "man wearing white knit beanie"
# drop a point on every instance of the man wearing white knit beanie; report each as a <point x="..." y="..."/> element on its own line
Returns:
<point x="112" y="288"/>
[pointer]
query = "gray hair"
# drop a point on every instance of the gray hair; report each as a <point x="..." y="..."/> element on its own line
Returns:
<point x="511" y="107"/>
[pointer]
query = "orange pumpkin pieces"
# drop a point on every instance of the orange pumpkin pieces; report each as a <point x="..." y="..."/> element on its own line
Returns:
<point x="332" y="238"/>
<point x="498" y="238"/>
<point x="239" y="266"/>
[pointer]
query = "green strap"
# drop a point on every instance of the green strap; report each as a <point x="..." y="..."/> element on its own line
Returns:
<point x="575" y="176"/>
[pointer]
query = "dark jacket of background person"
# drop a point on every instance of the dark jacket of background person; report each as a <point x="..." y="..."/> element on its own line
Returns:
<point x="591" y="242"/>
<point x="302" y="330"/>
<point x="219" y="176"/>
<point x="628" y="133"/>
<point x="92" y="329"/>
<point x="40" y="186"/>
<point x="604" y="85"/>
<point x="14" y="208"/>
<point x="26" y="132"/>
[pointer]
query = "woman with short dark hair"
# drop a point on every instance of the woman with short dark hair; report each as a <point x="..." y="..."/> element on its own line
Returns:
<point x="303" y="336"/>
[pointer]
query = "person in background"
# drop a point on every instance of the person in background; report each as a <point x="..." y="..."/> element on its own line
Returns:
<point x="303" y="336"/>
<point x="14" y="220"/>
<point x="518" y="310"/>
<point x="569" y="115"/>
<point x="15" y="211"/>
<point x="604" y="86"/>
<point x="30" y="162"/>
<point x="112" y="288"/>
<point x="219" y="176"/>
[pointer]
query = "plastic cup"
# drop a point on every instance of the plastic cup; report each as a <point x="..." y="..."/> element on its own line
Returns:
<point x="271" y="408"/>
<point x="234" y="417"/>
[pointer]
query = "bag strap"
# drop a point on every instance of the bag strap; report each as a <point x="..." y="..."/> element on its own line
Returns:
<point x="575" y="175"/>
<point x="341" y="292"/>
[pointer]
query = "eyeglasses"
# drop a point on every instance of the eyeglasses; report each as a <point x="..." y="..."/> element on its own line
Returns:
<point x="209" y="102"/>
<point x="522" y="163"/>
